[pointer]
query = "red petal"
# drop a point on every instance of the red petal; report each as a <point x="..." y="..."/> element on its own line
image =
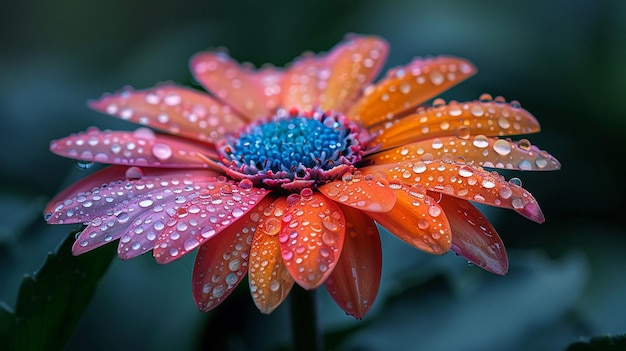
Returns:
<point x="311" y="238"/>
<point x="173" y="109"/>
<point x="466" y="182"/>
<point x="418" y="220"/>
<point x="140" y="148"/>
<point x="355" y="63"/>
<point x="406" y="87"/>
<point x="354" y="282"/>
<point x="473" y="237"/>
<point x="270" y="281"/>
<point x="485" y="117"/>
<point x="477" y="150"/>
<point x="361" y="192"/>
<point x="253" y="93"/>
<point x="222" y="262"/>
<point x="217" y="207"/>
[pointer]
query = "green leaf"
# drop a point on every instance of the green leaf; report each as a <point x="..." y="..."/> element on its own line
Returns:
<point x="51" y="301"/>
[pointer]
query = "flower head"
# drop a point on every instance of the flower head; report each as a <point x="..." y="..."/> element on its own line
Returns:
<point x="284" y="174"/>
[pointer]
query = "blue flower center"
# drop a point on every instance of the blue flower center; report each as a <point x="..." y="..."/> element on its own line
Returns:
<point x="293" y="150"/>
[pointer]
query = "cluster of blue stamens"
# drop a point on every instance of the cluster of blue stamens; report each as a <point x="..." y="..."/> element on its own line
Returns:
<point x="293" y="149"/>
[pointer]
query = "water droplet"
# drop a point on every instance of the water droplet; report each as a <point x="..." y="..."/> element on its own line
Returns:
<point x="234" y="264"/>
<point x="218" y="291"/>
<point x="488" y="183"/>
<point x="272" y="226"/>
<point x="434" y="211"/>
<point x="485" y="98"/>
<point x="146" y="203"/>
<point x="134" y="173"/>
<point x="463" y="133"/>
<point x="515" y="181"/>
<point x="524" y="144"/>
<point x="502" y="147"/>
<point x="82" y="165"/>
<point x="144" y="133"/>
<point x="466" y="171"/>
<point x="123" y="217"/>
<point x="274" y="285"/>
<point x="245" y="184"/>
<point x="505" y="192"/>
<point x="190" y="244"/>
<point x="161" y="151"/>
<point x="480" y="141"/>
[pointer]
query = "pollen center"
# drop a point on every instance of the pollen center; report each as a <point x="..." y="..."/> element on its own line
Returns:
<point x="293" y="150"/>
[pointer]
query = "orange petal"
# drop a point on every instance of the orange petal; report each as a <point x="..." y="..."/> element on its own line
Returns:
<point x="406" y="87"/>
<point x="361" y="192"/>
<point x="311" y="238"/>
<point x="477" y="150"/>
<point x="253" y="93"/>
<point x="270" y="281"/>
<point x="222" y="262"/>
<point x="461" y="119"/>
<point x="173" y="109"/>
<point x="464" y="181"/>
<point x="355" y="63"/>
<point x="354" y="282"/>
<point x="473" y="237"/>
<point x="418" y="220"/>
<point x="304" y="82"/>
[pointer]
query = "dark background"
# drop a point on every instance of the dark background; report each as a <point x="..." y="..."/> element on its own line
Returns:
<point x="564" y="60"/>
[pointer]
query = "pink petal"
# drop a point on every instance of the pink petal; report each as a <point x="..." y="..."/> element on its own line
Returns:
<point x="173" y="109"/>
<point x="473" y="237"/>
<point x="140" y="148"/>
<point x="255" y="94"/>
<point x="222" y="262"/>
<point x="215" y="208"/>
<point x="354" y="282"/>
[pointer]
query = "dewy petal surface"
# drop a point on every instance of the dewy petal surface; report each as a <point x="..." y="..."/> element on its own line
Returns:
<point x="173" y="109"/>
<point x="361" y="192"/>
<point x="311" y="238"/>
<point x="464" y="181"/>
<point x="255" y="94"/>
<point x="215" y="209"/>
<point x="418" y="220"/>
<point x="269" y="279"/>
<point x="482" y="117"/>
<point x="354" y="282"/>
<point x="473" y="237"/>
<point x="139" y="148"/>
<point x="222" y="262"/>
<point x="475" y="150"/>
<point x="404" y="88"/>
<point x="355" y="63"/>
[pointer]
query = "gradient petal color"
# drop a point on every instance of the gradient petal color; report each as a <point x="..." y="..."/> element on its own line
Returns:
<point x="354" y="282"/>
<point x="231" y="178"/>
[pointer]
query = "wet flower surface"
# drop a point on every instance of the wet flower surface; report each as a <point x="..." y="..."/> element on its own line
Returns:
<point x="284" y="174"/>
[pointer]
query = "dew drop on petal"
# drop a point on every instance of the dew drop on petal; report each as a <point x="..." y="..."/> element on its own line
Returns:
<point x="83" y="165"/>
<point x="162" y="151"/>
<point x="502" y="147"/>
<point x="463" y="133"/>
<point x="134" y="173"/>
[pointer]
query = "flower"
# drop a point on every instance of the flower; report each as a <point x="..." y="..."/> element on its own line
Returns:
<point x="284" y="174"/>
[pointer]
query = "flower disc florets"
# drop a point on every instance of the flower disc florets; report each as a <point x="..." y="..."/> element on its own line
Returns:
<point x="293" y="149"/>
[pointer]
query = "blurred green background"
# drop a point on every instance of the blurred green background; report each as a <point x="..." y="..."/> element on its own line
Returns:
<point x="564" y="60"/>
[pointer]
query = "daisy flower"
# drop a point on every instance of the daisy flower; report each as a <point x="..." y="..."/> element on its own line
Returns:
<point x="287" y="175"/>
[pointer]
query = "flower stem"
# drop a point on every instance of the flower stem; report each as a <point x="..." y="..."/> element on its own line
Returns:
<point x="306" y="333"/>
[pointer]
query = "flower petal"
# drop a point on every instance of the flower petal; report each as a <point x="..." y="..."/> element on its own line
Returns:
<point x="141" y="148"/>
<point x="217" y="207"/>
<point x="311" y="238"/>
<point x="173" y="109"/>
<point x="473" y="237"/>
<point x="270" y="281"/>
<point x="406" y="87"/>
<point x="361" y="192"/>
<point x="117" y="189"/>
<point x="253" y="93"/>
<point x="481" y="117"/>
<point x="222" y="262"/>
<point x="477" y="150"/>
<point x="304" y="82"/>
<point x="464" y="181"/>
<point x="354" y="282"/>
<point x="355" y="63"/>
<point x="418" y="220"/>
